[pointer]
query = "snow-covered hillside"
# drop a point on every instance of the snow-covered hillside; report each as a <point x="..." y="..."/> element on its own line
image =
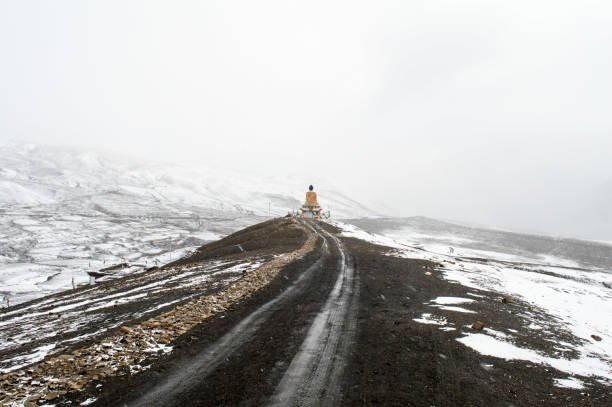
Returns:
<point x="34" y="176"/>
<point x="469" y="241"/>
<point x="66" y="211"/>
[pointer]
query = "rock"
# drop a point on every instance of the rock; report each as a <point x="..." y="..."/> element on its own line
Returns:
<point x="596" y="337"/>
<point x="52" y="395"/>
<point x="478" y="326"/>
<point x="75" y="386"/>
<point x="507" y="300"/>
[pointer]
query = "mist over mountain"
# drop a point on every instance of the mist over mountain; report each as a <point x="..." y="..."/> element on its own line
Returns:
<point x="69" y="179"/>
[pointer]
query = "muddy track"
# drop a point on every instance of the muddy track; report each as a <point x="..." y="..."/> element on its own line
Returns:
<point x="322" y="325"/>
<point x="314" y="375"/>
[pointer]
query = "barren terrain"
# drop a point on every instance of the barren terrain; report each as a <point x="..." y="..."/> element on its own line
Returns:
<point x="285" y="312"/>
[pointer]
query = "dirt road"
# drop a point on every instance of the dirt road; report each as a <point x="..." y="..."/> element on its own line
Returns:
<point x="321" y="319"/>
<point x="321" y="300"/>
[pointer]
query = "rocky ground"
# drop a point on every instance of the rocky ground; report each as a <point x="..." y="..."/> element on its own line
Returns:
<point x="282" y="313"/>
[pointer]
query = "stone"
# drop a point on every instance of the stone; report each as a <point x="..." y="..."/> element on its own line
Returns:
<point x="52" y="395"/>
<point x="596" y="337"/>
<point x="478" y="326"/>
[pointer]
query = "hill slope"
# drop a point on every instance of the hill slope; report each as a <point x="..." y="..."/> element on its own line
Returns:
<point x="66" y="211"/>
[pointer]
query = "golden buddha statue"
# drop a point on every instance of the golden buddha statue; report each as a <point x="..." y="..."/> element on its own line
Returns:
<point x="311" y="197"/>
<point x="311" y="208"/>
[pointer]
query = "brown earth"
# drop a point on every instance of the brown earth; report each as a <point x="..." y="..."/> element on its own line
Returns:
<point x="334" y="326"/>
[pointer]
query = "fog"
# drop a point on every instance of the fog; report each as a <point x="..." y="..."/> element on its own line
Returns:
<point x="488" y="112"/>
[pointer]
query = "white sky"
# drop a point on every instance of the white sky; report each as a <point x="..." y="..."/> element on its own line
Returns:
<point x="493" y="112"/>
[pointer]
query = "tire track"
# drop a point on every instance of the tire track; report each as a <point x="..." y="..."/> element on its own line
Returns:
<point x="188" y="376"/>
<point x="315" y="373"/>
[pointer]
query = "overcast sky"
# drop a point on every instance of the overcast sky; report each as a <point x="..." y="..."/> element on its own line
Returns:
<point x="490" y="112"/>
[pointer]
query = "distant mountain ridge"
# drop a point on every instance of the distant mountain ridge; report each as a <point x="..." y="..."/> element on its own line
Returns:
<point x="88" y="181"/>
<point x="424" y="229"/>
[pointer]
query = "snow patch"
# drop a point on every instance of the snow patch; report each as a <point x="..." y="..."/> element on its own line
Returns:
<point x="448" y="328"/>
<point x="454" y="309"/>
<point x="569" y="383"/>
<point x="36" y="355"/>
<point x="492" y="346"/>
<point x="451" y="300"/>
<point x="430" y="319"/>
